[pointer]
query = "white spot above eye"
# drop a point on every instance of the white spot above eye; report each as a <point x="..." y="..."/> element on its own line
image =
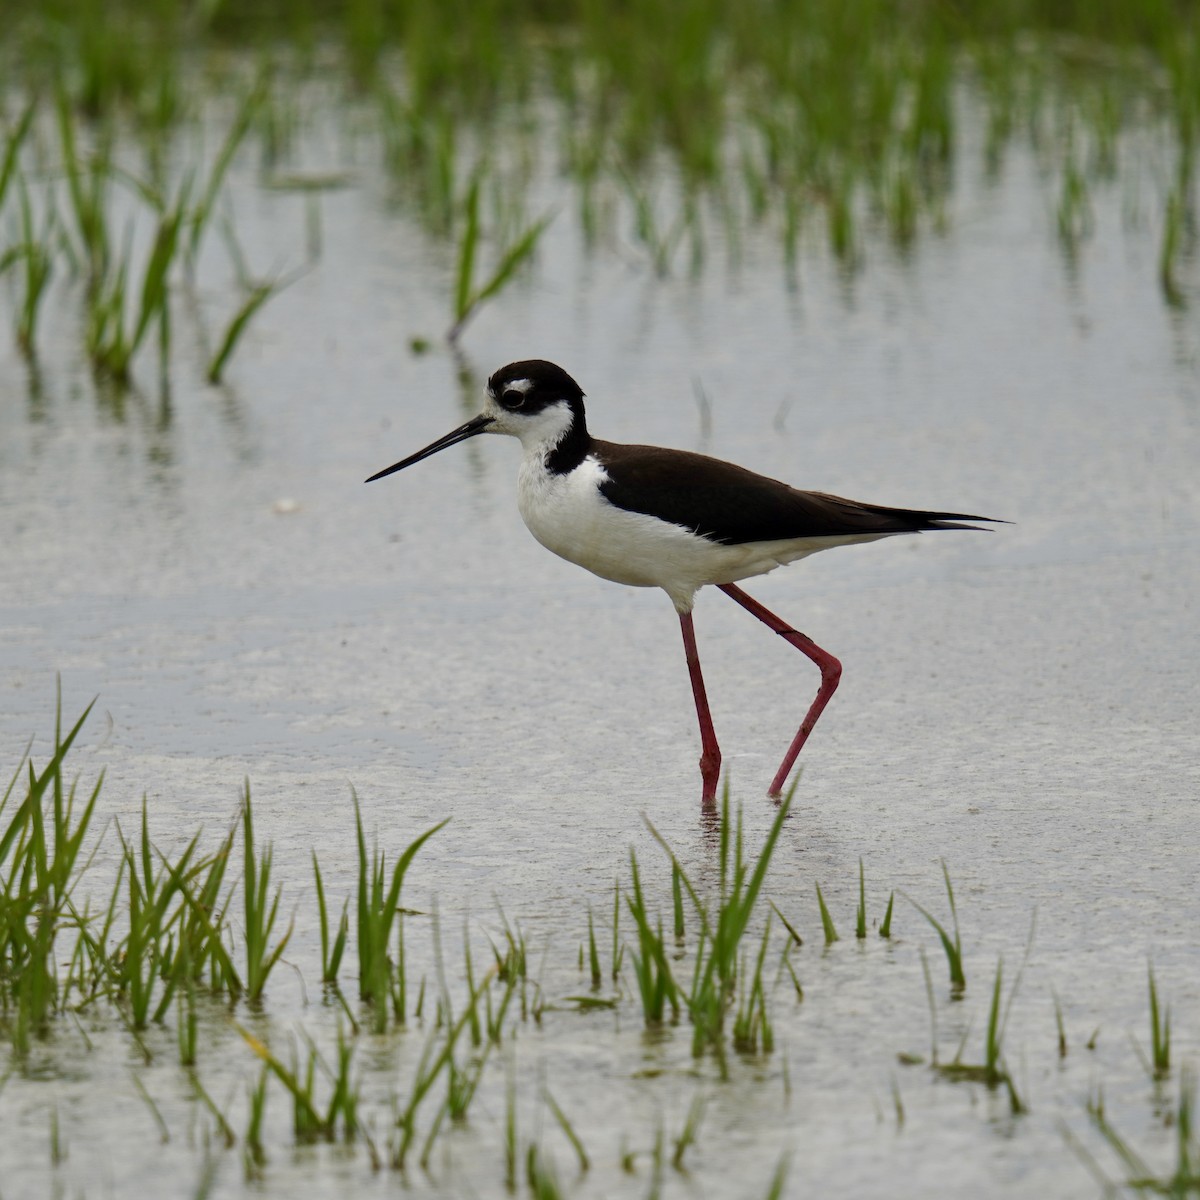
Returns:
<point x="524" y="386"/>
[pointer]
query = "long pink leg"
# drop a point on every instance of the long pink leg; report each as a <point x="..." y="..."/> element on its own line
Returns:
<point x="710" y="752"/>
<point x="831" y="672"/>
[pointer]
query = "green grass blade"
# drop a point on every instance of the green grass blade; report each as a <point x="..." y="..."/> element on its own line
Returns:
<point x="466" y="253"/>
<point x="12" y="146"/>
<point x="511" y="260"/>
<point x="831" y="934"/>
<point x="259" y="294"/>
<point x="885" y="928"/>
<point x="860" y="921"/>
<point x="565" y="1125"/>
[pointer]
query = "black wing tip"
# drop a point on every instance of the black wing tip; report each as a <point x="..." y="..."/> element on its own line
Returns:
<point x="957" y="521"/>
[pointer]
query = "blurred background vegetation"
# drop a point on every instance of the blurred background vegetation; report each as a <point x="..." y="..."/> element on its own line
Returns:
<point x="842" y="117"/>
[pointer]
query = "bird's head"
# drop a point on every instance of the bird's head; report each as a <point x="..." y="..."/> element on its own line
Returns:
<point x="533" y="400"/>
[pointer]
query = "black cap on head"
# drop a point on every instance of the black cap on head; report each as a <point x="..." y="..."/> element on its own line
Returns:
<point x="547" y="381"/>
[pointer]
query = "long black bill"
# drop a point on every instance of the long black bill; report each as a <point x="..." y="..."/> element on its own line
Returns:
<point x="470" y="429"/>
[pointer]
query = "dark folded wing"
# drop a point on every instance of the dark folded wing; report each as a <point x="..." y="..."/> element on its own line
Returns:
<point x="728" y="504"/>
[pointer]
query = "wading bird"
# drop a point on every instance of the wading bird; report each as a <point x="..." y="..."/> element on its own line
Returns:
<point x="651" y="517"/>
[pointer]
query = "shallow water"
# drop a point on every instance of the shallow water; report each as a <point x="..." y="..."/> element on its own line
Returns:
<point x="1020" y="704"/>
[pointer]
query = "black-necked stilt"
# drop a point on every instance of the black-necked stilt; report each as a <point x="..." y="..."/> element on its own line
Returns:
<point x="650" y="517"/>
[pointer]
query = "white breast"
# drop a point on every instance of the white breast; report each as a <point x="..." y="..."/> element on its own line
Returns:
<point x="569" y="515"/>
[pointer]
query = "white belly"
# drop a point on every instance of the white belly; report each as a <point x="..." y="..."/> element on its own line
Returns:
<point x="569" y="516"/>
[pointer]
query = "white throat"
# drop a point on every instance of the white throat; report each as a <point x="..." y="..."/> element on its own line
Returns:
<point x="538" y="432"/>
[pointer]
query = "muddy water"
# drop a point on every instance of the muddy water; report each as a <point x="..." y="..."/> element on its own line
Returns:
<point x="1020" y="704"/>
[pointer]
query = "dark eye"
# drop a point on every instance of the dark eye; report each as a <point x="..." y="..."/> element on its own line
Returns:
<point x="512" y="398"/>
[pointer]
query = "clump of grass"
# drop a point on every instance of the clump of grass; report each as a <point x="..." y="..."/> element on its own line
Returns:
<point x="436" y="1055"/>
<point x="512" y="964"/>
<point x="462" y="1081"/>
<point x="752" y="1029"/>
<point x="202" y="950"/>
<point x="651" y="967"/>
<point x="40" y="849"/>
<point x="382" y="980"/>
<point x="176" y="925"/>
<point x="313" y="1120"/>
<point x="995" y="1072"/>
<point x="33" y="254"/>
<point x="992" y="1071"/>
<point x="512" y="969"/>
<point x="117" y="323"/>
<point x="723" y="925"/>
<point x="146" y="970"/>
<point x="1140" y="1177"/>
<point x="260" y="909"/>
<point x="494" y="1015"/>
<point x="127" y="291"/>
<point x="89" y="182"/>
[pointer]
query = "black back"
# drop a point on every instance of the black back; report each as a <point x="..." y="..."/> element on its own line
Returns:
<point x="728" y="504"/>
